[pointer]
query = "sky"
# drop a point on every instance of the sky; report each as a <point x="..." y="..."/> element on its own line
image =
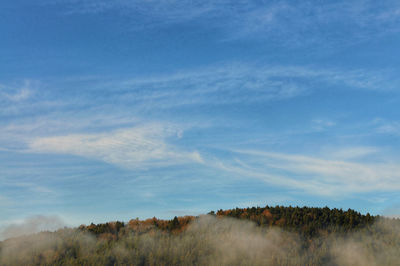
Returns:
<point x="112" y="110"/>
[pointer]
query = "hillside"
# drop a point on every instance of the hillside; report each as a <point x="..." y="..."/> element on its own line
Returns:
<point x="306" y="221"/>
<point x="249" y="236"/>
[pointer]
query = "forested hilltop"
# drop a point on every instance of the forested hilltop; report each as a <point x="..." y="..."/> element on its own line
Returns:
<point x="242" y="236"/>
<point x="306" y="221"/>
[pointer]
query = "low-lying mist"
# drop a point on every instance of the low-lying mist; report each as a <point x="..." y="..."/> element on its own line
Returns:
<point x="208" y="240"/>
<point x="32" y="225"/>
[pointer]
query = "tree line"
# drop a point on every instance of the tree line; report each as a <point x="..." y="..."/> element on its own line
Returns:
<point x="270" y="235"/>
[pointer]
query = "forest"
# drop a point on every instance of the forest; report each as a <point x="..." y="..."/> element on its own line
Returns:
<point x="242" y="236"/>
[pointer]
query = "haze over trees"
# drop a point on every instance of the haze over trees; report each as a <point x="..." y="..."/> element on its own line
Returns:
<point x="241" y="236"/>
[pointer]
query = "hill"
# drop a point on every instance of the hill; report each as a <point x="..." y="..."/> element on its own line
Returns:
<point x="241" y="236"/>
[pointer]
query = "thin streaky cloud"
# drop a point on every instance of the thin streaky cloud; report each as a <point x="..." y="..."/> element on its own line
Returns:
<point x="14" y="94"/>
<point x="352" y="152"/>
<point x="294" y="23"/>
<point x="314" y="175"/>
<point x="178" y="102"/>
<point x="322" y="124"/>
<point x="39" y="189"/>
<point x="138" y="147"/>
<point x="388" y="127"/>
<point x="239" y="82"/>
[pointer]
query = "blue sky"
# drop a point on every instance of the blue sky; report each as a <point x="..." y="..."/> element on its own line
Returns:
<point x="122" y="109"/>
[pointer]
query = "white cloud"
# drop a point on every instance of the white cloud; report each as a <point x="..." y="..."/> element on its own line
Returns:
<point x="20" y="95"/>
<point x="322" y="124"/>
<point x="223" y="84"/>
<point x="16" y="94"/>
<point x="138" y="147"/>
<point x="351" y="152"/>
<point x="239" y="83"/>
<point x="314" y="175"/>
<point x="288" y="22"/>
<point x="392" y="127"/>
<point x="116" y="99"/>
<point x="37" y="189"/>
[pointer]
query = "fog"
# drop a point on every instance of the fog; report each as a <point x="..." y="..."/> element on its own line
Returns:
<point x="207" y="241"/>
<point x="32" y="225"/>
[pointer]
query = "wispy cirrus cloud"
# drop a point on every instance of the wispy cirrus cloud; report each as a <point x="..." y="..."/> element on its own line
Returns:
<point x="107" y="104"/>
<point x="387" y="127"/>
<point x="294" y="23"/>
<point x="138" y="147"/>
<point x="102" y="129"/>
<point x="16" y="94"/>
<point x="352" y="152"/>
<point x="314" y="175"/>
<point x="221" y="84"/>
<point x="322" y="124"/>
<point x="233" y="83"/>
